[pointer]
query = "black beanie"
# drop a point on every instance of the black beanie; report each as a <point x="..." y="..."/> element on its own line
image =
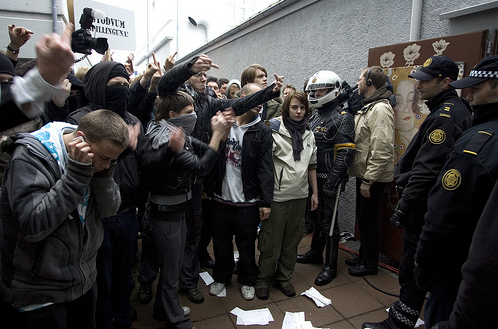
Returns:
<point x="118" y="71"/>
<point x="6" y="65"/>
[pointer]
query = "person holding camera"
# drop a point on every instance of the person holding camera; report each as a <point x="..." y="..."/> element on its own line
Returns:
<point x="416" y="173"/>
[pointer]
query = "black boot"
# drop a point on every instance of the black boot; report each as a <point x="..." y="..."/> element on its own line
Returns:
<point x="315" y="254"/>
<point x="330" y="269"/>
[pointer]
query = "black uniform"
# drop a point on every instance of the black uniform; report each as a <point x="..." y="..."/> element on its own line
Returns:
<point x="416" y="172"/>
<point x="334" y="135"/>
<point x="454" y="207"/>
<point x="333" y="128"/>
<point x="477" y="302"/>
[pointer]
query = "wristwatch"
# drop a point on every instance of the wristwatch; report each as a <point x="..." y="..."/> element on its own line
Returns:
<point x="366" y="181"/>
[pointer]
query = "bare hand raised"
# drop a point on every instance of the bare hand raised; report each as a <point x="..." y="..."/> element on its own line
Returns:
<point x="55" y="56"/>
<point x="79" y="150"/>
<point x="203" y="63"/>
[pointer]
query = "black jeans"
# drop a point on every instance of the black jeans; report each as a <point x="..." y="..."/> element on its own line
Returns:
<point x="367" y="210"/>
<point x="241" y="222"/>
<point x="114" y="262"/>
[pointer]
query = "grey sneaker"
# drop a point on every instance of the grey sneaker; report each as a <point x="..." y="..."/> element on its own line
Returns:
<point x="186" y="310"/>
<point x="247" y="292"/>
<point x="216" y="288"/>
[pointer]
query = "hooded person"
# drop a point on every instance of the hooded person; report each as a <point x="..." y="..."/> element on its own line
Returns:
<point x="106" y="87"/>
<point x="11" y="114"/>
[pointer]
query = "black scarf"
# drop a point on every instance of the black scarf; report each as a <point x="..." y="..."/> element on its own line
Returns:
<point x="296" y="130"/>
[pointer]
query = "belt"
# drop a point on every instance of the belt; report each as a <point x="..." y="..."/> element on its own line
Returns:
<point x="170" y="200"/>
<point x="321" y="175"/>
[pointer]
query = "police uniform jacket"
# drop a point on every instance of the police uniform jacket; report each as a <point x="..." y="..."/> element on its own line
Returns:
<point x="458" y="199"/>
<point x="333" y="128"/>
<point x="477" y="299"/>
<point x="419" y="167"/>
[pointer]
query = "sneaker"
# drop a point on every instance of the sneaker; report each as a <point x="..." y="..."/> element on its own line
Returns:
<point x="145" y="294"/>
<point x="195" y="295"/>
<point x="186" y="310"/>
<point x="216" y="288"/>
<point x="247" y="292"/>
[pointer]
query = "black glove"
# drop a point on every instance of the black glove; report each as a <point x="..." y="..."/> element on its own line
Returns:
<point x="422" y="278"/>
<point x="329" y="190"/>
<point x="400" y="216"/>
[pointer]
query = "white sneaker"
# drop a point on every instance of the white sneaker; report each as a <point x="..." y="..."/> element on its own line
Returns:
<point x="186" y="310"/>
<point x="216" y="288"/>
<point x="247" y="292"/>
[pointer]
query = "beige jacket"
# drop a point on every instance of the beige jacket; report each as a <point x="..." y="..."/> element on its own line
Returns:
<point x="291" y="177"/>
<point x="374" y="139"/>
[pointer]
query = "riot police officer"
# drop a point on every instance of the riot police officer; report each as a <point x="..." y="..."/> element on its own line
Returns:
<point x="334" y="134"/>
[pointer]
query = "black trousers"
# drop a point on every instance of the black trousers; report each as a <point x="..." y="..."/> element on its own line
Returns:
<point x="367" y="210"/>
<point x="241" y="222"/>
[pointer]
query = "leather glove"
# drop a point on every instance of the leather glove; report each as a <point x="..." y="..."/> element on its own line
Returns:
<point x="422" y="278"/>
<point x="329" y="190"/>
<point x="400" y="216"/>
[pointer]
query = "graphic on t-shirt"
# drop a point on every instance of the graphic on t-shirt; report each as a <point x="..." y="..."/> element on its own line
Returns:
<point x="234" y="152"/>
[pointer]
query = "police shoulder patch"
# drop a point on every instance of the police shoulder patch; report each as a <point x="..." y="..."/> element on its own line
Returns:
<point x="446" y="110"/>
<point x="437" y="137"/>
<point x="451" y="179"/>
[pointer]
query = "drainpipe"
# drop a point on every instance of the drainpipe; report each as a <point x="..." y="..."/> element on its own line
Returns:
<point x="416" y="20"/>
<point x="54" y="16"/>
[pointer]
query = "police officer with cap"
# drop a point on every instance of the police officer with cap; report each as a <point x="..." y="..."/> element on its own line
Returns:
<point x="416" y="173"/>
<point x="457" y="200"/>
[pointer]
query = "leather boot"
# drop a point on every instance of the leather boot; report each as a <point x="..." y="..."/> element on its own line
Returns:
<point x="330" y="269"/>
<point x="315" y="254"/>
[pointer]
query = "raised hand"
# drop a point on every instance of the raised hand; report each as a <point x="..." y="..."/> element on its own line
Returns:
<point x="54" y="56"/>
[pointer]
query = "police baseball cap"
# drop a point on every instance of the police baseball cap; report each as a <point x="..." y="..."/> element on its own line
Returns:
<point x="486" y="69"/>
<point x="436" y="67"/>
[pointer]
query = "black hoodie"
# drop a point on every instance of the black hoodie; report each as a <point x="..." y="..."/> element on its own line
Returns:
<point x="127" y="173"/>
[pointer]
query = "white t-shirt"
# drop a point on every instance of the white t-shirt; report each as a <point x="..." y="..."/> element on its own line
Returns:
<point x="232" y="188"/>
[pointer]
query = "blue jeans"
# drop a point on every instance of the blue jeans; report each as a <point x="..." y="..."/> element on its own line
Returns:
<point x="114" y="262"/>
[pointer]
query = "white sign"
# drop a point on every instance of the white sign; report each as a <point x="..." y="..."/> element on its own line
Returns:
<point x="118" y="25"/>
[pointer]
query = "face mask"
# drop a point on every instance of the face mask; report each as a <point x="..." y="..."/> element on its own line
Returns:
<point x="116" y="98"/>
<point x="186" y="122"/>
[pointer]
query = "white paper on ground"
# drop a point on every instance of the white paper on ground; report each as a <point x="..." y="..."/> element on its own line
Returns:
<point x="296" y="321"/>
<point x="254" y="317"/>
<point x="206" y="277"/>
<point x="419" y="323"/>
<point x="318" y="298"/>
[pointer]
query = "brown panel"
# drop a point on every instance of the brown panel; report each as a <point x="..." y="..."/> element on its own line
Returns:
<point x="469" y="48"/>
